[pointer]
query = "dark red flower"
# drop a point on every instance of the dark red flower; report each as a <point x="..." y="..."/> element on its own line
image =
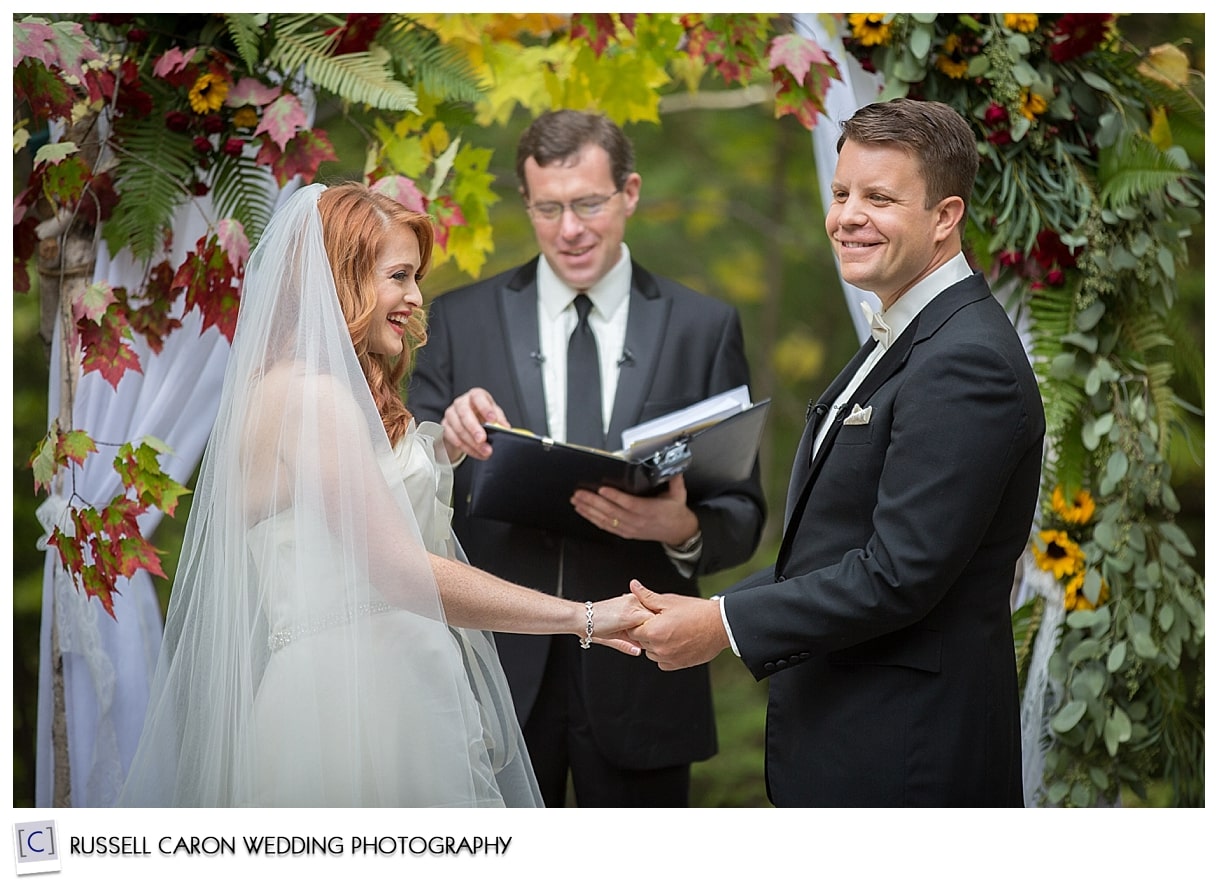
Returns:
<point x="1055" y="277"/>
<point x="199" y="188"/>
<point x="358" y="32"/>
<point x="1050" y="252"/>
<point x="137" y="35"/>
<point x="213" y="123"/>
<point x="202" y="144"/>
<point x="996" y="115"/>
<point x="177" y="121"/>
<point x="233" y="147"/>
<point x="1077" y="33"/>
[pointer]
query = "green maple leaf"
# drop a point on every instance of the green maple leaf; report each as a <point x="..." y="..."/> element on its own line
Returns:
<point x="55" y="450"/>
<point x="141" y="471"/>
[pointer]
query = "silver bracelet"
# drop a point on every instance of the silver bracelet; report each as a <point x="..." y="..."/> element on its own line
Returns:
<point x="586" y="641"/>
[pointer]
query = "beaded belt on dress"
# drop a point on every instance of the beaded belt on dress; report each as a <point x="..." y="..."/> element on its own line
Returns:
<point x="280" y="639"/>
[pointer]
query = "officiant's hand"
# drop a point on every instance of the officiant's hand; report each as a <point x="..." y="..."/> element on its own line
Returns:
<point x="664" y="517"/>
<point x="685" y="631"/>
<point x="463" y="431"/>
<point x="614" y="619"/>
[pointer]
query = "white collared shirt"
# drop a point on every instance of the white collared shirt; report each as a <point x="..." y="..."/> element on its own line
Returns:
<point x="556" y="319"/>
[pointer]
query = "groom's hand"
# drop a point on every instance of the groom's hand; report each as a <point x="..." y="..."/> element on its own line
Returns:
<point x="685" y="631"/>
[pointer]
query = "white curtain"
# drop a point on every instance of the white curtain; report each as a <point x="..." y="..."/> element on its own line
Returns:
<point x="108" y="663"/>
<point x="855" y="88"/>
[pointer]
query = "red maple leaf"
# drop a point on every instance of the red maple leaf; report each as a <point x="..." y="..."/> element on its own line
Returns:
<point x="597" y="28"/>
<point x="211" y="284"/>
<point x="302" y="156"/>
<point x="150" y="316"/>
<point x="105" y="347"/>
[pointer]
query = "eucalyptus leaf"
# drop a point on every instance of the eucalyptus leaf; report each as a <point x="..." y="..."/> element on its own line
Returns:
<point x="1118" y="466"/>
<point x="1116" y="656"/>
<point x="919" y="42"/>
<point x="1069" y="716"/>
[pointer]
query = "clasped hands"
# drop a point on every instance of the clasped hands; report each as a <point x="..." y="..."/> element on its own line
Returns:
<point x="675" y="631"/>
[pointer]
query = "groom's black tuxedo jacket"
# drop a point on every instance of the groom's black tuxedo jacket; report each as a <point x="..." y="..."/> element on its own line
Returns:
<point x="681" y="346"/>
<point x="885" y="625"/>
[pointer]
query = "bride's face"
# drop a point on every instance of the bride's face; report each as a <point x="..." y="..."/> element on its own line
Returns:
<point x="396" y="279"/>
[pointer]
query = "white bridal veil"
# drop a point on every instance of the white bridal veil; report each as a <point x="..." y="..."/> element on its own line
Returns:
<point x="306" y="659"/>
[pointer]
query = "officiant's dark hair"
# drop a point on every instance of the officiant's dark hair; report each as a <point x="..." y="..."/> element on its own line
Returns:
<point x="558" y="135"/>
<point x="934" y="133"/>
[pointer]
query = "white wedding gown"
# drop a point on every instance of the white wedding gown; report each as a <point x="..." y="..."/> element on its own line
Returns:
<point x="391" y="733"/>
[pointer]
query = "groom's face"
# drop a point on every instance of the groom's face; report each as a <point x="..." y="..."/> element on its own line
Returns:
<point x="884" y="236"/>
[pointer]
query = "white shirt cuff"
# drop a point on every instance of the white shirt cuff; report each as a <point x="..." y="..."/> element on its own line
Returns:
<point x="726" y="625"/>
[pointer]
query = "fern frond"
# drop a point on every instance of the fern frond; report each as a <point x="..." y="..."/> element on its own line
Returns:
<point x="246" y="29"/>
<point x="154" y="166"/>
<point x="1134" y="169"/>
<point x="359" y="77"/>
<point x="239" y="190"/>
<point x="440" y="70"/>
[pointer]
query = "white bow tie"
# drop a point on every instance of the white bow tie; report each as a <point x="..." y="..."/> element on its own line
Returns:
<point x="879" y="328"/>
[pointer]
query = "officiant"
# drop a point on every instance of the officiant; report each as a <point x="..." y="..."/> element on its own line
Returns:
<point x="578" y="344"/>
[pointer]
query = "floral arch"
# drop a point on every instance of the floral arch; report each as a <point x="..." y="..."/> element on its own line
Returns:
<point x="1085" y="202"/>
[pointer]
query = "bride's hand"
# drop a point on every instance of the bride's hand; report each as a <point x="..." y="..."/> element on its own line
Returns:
<point x="613" y="619"/>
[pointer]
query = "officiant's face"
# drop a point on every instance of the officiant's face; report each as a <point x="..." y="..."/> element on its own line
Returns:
<point x="396" y="279"/>
<point x="579" y="215"/>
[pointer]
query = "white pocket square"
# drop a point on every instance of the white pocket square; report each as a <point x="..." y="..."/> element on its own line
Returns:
<point x="860" y="416"/>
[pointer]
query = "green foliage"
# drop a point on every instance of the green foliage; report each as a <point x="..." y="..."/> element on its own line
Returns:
<point x="155" y="163"/>
<point x="362" y="77"/>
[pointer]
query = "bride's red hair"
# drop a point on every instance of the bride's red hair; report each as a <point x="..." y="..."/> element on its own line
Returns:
<point x="356" y="221"/>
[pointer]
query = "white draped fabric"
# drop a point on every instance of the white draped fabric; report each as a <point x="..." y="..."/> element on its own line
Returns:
<point x="856" y="88"/>
<point x="107" y="663"/>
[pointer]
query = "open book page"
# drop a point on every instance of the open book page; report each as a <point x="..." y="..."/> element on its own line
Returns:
<point x="639" y="442"/>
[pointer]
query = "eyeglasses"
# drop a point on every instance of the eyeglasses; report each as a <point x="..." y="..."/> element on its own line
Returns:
<point x="585" y="209"/>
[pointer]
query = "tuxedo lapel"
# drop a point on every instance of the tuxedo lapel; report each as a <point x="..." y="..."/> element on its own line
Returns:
<point x="645" y="329"/>
<point x="517" y="303"/>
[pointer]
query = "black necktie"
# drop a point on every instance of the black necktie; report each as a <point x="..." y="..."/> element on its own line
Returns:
<point x="585" y="425"/>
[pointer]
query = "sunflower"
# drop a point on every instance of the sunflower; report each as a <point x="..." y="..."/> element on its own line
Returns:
<point x="1060" y="555"/>
<point x="1076" y="599"/>
<point x="952" y="61"/>
<point x="1078" y="510"/>
<point x="1020" y="22"/>
<point x="1033" y="105"/>
<point x="869" y="28"/>
<point x="208" y="93"/>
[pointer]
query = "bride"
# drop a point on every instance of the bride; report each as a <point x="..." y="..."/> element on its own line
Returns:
<point x="321" y="645"/>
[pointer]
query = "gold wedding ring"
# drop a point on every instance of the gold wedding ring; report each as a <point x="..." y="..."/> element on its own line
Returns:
<point x="615" y="522"/>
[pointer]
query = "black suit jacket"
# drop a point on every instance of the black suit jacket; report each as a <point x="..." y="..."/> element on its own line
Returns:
<point x="684" y="346"/>
<point x="885" y="625"/>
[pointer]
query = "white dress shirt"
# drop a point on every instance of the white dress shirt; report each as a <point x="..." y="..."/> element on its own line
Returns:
<point x="556" y="319"/>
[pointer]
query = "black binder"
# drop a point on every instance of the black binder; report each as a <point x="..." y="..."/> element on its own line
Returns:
<point x="529" y="479"/>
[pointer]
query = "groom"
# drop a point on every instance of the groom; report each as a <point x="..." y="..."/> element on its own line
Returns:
<point x="884" y="624"/>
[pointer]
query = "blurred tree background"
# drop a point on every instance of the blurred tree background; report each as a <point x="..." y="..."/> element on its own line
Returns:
<point x="730" y="206"/>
